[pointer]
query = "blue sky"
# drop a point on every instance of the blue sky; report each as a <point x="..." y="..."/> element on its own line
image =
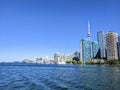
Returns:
<point x="39" y="28"/>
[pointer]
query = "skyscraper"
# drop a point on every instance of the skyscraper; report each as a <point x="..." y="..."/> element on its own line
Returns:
<point x="102" y="44"/>
<point x="119" y="46"/>
<point x="85" y="50"/>
<point x="95" y="47"/>
<point x="88" y="49"/>
<point x="112" y="45"/>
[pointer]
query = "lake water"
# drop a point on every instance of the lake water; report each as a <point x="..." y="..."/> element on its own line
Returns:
<point x="59" y="77"/>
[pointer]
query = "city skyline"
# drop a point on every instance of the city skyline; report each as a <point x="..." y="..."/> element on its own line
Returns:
<point x="31" y="29"/>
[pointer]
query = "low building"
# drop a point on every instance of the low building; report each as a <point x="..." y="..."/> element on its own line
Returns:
<point x="62" y="58"/>
<point x="27" y="61"/>
<point x="38" y="60"/>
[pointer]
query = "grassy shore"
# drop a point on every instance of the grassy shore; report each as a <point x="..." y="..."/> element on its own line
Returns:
<point x="107" y="63"/>
<point x="73" y="62"/>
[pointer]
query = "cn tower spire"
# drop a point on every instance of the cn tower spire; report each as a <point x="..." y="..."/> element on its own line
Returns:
<point x="88" y="30"/>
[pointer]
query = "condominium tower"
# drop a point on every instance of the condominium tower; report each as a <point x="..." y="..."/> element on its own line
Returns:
<point x="102" y="44"/>
<point x="119" y="46"/>
<point x="85" y="50"/>
<point x="112" y="45"/>
<point x="95" y="47"/>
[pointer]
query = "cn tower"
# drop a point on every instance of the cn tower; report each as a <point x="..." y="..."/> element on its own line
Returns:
<point x="88" y="31"/>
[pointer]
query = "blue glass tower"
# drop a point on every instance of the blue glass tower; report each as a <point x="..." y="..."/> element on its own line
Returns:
<point x="95" y="47"/>
<point x="102" y="44"/>
<point x="85" y="50"/>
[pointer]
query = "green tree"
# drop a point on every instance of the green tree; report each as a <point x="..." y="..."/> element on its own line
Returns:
<point x="79" y="62"/>
<point x="74" y="62"/>
<point x="69" y="62"/>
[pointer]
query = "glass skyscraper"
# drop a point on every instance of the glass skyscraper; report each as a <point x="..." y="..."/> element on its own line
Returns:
<point x="85" y="50"/>
<point x="102" y="44"/>
<point x="95" y="47"/>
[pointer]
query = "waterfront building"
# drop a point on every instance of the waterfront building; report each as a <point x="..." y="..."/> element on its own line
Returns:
<point x="68" y="57"/>
<point x="102" y="44"/>
<point x="62" y="58"/>
<point x="38" y="60"/>
<point x="86" y="47"/>
<point x="95" y="47"/>
<point x="27" y="61"/>
<point x="112" y="45"/>
<point x="119" y="46"/>
<point x="57" y="58"/>
<point x="48" y="60"/>
<point x="77" y="54"/>
<point x="85" y="50"/>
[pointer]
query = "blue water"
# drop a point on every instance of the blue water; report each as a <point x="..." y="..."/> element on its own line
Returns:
<point x="59" y="77"/>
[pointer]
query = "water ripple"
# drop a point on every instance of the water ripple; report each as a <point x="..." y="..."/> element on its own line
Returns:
<point x="59" y="77"/>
